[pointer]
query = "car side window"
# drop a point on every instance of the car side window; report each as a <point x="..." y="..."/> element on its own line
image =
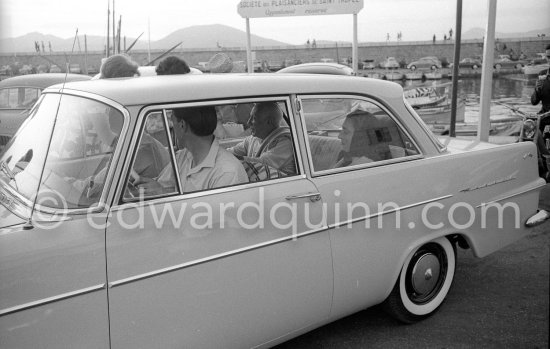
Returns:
<point x="347" y="132"/>
<point x="252" y="142"/>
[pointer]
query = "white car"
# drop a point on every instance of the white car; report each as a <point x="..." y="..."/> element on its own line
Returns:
<point x="371" y="212"/>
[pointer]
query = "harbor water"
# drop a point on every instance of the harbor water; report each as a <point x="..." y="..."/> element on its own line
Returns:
<point x="514" y="90"/>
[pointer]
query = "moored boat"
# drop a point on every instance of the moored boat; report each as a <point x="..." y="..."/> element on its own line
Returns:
<point x="433" y="75"/>
<point x="534" y="70"/>
<point x="393" y="75"/>
<point x="414" y="75"/>
<point x="441" y="113"/>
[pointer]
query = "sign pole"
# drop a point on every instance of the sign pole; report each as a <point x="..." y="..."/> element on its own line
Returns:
<point x="454" y="94"/>
<point x="248" y="47"/>
<point x="355" y="50"/>
<point x="487" y="75"/>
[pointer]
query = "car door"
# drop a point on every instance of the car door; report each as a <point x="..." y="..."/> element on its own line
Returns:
<point x="228" y="267"/>
<point x="362" y="160"/>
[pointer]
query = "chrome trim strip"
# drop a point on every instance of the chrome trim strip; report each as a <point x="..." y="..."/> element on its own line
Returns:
<point x="170" y="146"/>
<point x="213" y="258"/>
<point x="364" y="218"/>
<point x="511" y="195"/>
<point x="48" y="300"/>
<point x="216" y="191"/>
<point x="375" y="164"/>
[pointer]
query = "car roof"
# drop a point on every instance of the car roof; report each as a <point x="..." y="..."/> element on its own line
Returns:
<point x="190" y="87"/>
<point x="41" y="80"/>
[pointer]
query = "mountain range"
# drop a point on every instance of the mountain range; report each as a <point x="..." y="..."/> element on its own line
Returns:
<point x="200" y="36"/>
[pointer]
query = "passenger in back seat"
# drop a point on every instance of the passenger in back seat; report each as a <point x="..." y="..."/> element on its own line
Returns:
<point x="269" y="144"/>
<point x="354" y="139"/>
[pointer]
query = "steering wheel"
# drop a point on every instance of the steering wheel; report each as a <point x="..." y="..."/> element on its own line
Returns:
<point x="133" y="180"/>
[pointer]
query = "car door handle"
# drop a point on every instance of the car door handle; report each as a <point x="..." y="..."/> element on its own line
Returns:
<point x="312" y="197"/>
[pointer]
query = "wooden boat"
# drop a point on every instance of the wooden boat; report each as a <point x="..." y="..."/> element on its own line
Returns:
<point x="393" y="75"/>
<point x="433" y="75"/>
<point x="441" y="113"/>
<point x="414" y="75"/>
<point x="433" y="105"/>
<point x="374" y="75"/>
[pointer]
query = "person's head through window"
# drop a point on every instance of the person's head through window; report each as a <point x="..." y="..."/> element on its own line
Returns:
<point x="194" y="125"/>
<point x="172" y="65"/>
<point x="354" y="137"/>
<point x="264" y="118"/>
<point x="118" y="66"/>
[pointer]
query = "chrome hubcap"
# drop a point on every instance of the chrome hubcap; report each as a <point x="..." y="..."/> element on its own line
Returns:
<point x="425" y="274"/>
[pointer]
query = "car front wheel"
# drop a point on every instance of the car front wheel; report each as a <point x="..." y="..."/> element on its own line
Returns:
<point x="498" y="66"/>
<point x="413" y="67"/>
<point x="474" y="66"/>
<point x="424" y="281"/>
<point x="433" y="67"/>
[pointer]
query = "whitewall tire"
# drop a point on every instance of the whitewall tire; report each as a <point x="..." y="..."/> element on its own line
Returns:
<point x="425" y="279"/>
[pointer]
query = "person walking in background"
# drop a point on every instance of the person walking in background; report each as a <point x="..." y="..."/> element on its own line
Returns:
<point x="433" y="40"/>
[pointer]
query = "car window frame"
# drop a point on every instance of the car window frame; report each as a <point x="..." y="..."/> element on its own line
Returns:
<point x="121" y="202"/>
<point x="372" y="100"/>
<point x="109" y="177"/>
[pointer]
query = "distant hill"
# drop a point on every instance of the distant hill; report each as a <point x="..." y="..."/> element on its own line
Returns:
<point x="200" y="36"/>
<point x="478" y="33"/>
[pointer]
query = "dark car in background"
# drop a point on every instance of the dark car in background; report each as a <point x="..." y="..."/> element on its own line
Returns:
<point x="506" y="62"/>
<point x="425" y="62"/>
<point x="472" y="63"/>
<point x="19" y="93"/>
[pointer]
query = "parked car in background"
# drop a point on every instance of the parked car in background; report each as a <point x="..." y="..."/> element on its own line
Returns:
<point x="425" y="62"/>
<point x="55" y="69"/>
<point x="389" y="63"/>
<point x="504" y="61"/>
<point x="74" y="68"/>
<point x="19" y="93"/>
<point x="368" y="64"/>
<point x="472" y="63"/>
<point x="319" y="68"/>
<point x="91" y="258"/>
<point x="92" y="70"/>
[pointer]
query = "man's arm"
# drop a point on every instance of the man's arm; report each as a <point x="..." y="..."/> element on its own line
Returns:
<point x="276" y="156"/>
<point x="240" y="149"/>
<point x="536" y="96"/>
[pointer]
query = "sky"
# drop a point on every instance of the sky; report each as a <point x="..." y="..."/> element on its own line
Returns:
<point x="415" y="19"/>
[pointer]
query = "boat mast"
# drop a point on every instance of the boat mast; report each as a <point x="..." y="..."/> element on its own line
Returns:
<point x="114" y="29"/>
<point x="149" y="40"/>
<point x="108" y="31"/>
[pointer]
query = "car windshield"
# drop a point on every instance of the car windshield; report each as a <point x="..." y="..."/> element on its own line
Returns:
<point x="79" y="152"/>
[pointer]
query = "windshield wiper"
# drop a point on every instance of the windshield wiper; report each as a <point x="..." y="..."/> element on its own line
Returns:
<point x="4" y="168"/>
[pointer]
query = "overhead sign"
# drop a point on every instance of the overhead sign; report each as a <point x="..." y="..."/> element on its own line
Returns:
<point x="286" y="8"/>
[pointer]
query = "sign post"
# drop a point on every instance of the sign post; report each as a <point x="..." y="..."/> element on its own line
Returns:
<point x="286" y="8"/>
